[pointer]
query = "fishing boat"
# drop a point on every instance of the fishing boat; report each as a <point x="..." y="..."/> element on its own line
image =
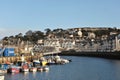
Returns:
<point x="25" y="68"/>
<point x="14" y="69"/>
<point x="60" y="60"/>
<point x="45" y="68"/>
<point x="50" y="61"/>
<point x="33" y="69"/>
<point x="36" y="63"/>
<point x="2" y="77"/>
<point x="40" y="69"/>
<point x="2" y="71"/>
<point x="4" y="67"/>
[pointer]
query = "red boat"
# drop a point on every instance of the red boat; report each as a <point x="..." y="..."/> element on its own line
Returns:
<point x="25" y="68"/>
<point x="14" y="69"/>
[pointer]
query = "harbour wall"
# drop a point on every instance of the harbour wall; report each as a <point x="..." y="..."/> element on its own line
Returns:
<point x="109" y="55"/>
<point x="16" y="58"/>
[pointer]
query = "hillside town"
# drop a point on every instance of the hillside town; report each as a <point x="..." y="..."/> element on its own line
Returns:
<point x="86" y="39"/>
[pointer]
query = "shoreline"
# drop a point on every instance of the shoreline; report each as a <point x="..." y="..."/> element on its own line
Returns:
<point x="107" y="55"/>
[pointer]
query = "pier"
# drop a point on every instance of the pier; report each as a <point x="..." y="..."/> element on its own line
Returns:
<point x="107" y="55"/>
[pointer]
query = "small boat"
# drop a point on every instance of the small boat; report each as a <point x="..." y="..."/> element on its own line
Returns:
<point x="44" y="63"/>
<point x="4" y="68"/>
<point x="50" y="61"/>
<point x="14" y="69"/>
<point x="59" y="60"/>
<point x="40" y="69"/>
<point x="2" y="77"/>
<point x="25" y="69"/>
<point x="64" y="61"/>
<point x="33" y="69"/>
<point x="2" y="71"/>
<point x="36" y="63"/>
<point x="45" y="68"/>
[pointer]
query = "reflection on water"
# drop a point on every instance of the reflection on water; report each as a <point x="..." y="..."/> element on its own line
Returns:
<point x="81" y="68"/>
<point x="25" y="73"/>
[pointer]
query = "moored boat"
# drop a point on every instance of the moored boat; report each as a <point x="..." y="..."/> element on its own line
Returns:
<point x="4" y="68"/>
<point x="2" y="77"/>
<point x="45" y="68"/>
<point x="36" y="63"/>
<point x="40" y="69"/>
<point x="2" y="71"/>
<point x="59" y="60"/>
<point x="33" y="69"/>
<point x="25" y="69"/>
<point x="14" y="69"/>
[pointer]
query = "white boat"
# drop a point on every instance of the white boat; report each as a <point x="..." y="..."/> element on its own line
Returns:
<point x="2" y="71"/>
<point x="59" y="60"/>
<point x="25" y="69"/>
<point x="40" y="69"/>
<point x="45" y="68"/>
<point x="36" y="63"/>
<point x="2" y="77"/>
<point x="33" y="69"/>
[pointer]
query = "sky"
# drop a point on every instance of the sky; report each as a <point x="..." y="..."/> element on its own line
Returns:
<point x="19" y="16"/>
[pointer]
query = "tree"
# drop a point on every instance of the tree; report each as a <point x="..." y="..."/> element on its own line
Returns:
<point x="48" y="31"/>
<point x="29" y="33"/>
<point x="58" y="32"/>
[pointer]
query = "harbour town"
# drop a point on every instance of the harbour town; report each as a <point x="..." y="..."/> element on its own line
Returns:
<point x="59" y="40"/>
<point x="35" y="51"/>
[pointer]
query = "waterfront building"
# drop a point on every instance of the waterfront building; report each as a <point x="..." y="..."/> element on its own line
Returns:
<point x="117" y="39"/>
<point x="91" y="35"/>
<point x="80" y="33"/>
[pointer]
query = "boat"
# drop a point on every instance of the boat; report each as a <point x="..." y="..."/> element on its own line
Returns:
<point x="60" y="60"/>
<point x="14" y="69"/>
<point x="40" y="69"/>
<point x="2" y="71"/>
<point x="36" y="63"/>
<point x="50" y="61"/>
<point x="2" y="77"/>
<point x="4" y="67"/>
<point x="45" y="68"/>
<point x="33" y="69"/>
<point x="25" y="70"/>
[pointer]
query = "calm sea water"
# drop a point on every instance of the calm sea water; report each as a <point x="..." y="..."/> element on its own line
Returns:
<point x="81" y="68"/>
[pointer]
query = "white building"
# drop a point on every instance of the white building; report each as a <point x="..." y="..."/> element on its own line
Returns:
<point x="117" y="43"/>
<point x="80" y="33"/>
<point x="60" y="44"/>
<point x="91" y="35"/>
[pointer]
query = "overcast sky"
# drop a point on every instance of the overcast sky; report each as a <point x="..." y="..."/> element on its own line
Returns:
<point x="22" y="15"/>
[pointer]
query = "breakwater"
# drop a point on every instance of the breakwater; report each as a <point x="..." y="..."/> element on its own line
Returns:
<point x="16" y="58"/>
<point x="110" y="55"/>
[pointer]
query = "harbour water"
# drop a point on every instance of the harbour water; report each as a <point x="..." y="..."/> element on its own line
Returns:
<point x="81" y="68"/>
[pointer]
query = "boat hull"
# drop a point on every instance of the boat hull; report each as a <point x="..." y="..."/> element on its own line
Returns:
<point x="2" y="77"/>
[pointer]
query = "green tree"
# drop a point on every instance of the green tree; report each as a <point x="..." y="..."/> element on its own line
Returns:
<point x="48" y="31"/>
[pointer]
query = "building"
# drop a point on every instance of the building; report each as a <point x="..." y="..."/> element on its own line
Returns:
<point x="117" y="40"/>
<point x="91" y="35"/>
